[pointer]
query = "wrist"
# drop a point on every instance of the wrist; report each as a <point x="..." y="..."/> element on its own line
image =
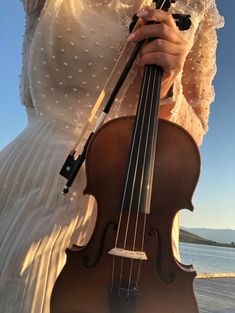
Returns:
<point x="166" y="92"/>
<point x="165" y="111"/>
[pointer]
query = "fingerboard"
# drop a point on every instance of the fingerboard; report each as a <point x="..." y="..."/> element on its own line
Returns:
<point x="139" y="179"/>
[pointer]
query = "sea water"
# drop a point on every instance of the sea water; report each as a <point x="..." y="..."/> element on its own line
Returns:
<point x="208" y="259"/>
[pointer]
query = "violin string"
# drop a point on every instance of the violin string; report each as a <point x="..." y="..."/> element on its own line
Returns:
<point x="131" y="155"/>
<point x="142" y="247"/>
<point x="141" y="186"/>
<point x="121" y="274"/>
<point x="138" y="158"/>
<point x="128" y="172"/>
<point x="122" y="208"/>
<point x="145" y="221"/>
<point x="129" y="280"/>
<point x="113" y="268"/>
<point x="139" y="121"/>
<point x="145" y="215"/>
<point x="152" y="79"/>
<point x="125" y="189"/>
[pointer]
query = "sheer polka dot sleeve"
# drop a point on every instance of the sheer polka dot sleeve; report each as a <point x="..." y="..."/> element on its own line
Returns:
<point x="32" y="9"/>
<point x="32" y="6"/>
<point x="195" y="92"/>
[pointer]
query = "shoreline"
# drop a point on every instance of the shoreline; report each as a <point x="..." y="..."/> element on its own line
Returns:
<point x="188" y="237"/>
<point x="208" y="243"/>
<point x="215" y="275"/>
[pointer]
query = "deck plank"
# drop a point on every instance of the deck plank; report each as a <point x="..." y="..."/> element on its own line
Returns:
<point x="215" y="295"/>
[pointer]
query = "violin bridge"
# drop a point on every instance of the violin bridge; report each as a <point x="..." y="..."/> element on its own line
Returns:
<point x="123" y="253"/>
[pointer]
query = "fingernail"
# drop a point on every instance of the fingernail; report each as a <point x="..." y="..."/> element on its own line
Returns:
<point x="142" y="13"/>
<point x="131" y="37"/>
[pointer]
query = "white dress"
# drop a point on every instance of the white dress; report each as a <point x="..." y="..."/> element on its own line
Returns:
<point x="70" y="48"/>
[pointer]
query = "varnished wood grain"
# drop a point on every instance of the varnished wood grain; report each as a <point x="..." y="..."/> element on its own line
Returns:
<point x="88" y="281"/>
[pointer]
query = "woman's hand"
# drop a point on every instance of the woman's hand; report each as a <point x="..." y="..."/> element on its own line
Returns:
<point x="169" y="50"/>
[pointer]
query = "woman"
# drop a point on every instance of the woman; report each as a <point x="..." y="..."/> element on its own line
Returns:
<point x="70" y="48"/>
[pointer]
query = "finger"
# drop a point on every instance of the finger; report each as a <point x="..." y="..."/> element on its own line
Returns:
<point x="167" y="62"/>
<point x="161" y="45"/>
<point x="158" y="16"/>
<point x="161" y="30"/>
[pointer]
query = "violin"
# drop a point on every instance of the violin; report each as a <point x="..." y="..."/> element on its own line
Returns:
<point x="141" y="170"/>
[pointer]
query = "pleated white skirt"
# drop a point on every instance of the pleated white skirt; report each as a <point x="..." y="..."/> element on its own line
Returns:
<point x="36" y="221"/>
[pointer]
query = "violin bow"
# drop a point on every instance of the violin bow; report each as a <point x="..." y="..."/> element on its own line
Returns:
<point x="73" y="164"/>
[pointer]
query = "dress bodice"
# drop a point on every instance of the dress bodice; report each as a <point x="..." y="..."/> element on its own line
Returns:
<point x="74" y="50"/>
<point x="77" y="43"/>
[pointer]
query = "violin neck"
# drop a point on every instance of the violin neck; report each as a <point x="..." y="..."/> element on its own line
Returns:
<point x="138" y="189"/>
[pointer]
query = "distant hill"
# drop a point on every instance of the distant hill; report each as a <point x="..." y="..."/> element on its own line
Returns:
<point x="186" y="236"/>
<point x="218" y="235"/>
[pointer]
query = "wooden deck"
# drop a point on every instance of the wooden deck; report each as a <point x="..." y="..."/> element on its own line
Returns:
<point x="215" y="295"/>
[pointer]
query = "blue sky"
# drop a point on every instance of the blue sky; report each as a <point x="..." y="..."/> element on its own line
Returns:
<point x="214" y="199"/>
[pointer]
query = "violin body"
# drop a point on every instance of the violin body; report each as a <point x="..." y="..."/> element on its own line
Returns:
<point x="95" y="281"/>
